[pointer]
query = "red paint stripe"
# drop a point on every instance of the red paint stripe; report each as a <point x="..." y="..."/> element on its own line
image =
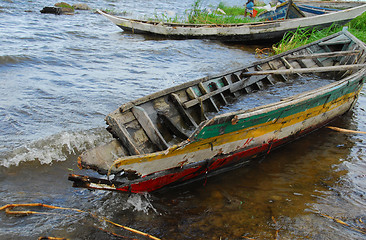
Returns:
<point x="187" y="174"/>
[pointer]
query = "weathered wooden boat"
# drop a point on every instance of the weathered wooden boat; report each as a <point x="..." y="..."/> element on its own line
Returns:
<point x="245" y="32"/>
<point x="182" y="134"/>
<point x="285" y="10"/>
<point x="316" y="10"/>
<point x="339" y="5"/>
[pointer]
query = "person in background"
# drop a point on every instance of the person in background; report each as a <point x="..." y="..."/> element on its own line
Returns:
<point x="249" y="8"/>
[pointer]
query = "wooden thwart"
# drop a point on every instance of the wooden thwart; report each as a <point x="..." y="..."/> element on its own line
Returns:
<point x="307" y="70"/>
<point x="320" y="55"/>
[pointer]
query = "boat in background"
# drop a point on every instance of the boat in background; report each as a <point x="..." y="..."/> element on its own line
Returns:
<point x="285" y="10"/>
<point x="256" y="32"/>
<point x="316" y="10"/>
<point x="201" y="128"/>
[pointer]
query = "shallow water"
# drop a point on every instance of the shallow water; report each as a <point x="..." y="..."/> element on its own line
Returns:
<point x="60" y="75"/>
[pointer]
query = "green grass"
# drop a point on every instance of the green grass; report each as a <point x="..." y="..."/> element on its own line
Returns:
<point x="212" y="18"/>
<point x="199" y="15"/>
<point x="234" y="10"/>
<point x="304" y="36"/>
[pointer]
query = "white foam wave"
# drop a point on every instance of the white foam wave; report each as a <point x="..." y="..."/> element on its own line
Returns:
<point x="57" y="147"/>
<point x="141" y="203"/>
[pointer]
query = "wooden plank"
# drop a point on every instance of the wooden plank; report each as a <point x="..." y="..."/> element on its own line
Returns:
<point x="172" y="126"/>
<point x="286" y="63"/>
<point x="346" y="59"/>
<point x="191" y="93"/>
<point x="121" y="132"/>
<point x="220" y="93"/>
<point x="316" y="60"/>
<point x="193" y="102"/>
<point x="323" y="55"/>
<point x="151" y="131"/>
<point x="301" y="63"/>
<point x="334" y="42"/>
<point x="205" y="91"/>
<point x="235" y="77"/>
<point x="181" y="109"/>
<point x="307" y="70"/>
<point x="274" y="68"/>
<point x="270" y="79"/>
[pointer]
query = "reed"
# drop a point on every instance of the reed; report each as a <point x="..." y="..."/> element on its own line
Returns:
<point x="303" y="36"/>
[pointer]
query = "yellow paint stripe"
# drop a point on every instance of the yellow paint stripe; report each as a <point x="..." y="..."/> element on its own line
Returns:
<point x="252" y="132"/>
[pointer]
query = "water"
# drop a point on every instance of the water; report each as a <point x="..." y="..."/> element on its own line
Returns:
<point x="60" y="75"/>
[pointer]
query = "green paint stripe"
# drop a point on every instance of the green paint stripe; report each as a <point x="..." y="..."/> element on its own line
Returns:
<point x="217" y="129"/>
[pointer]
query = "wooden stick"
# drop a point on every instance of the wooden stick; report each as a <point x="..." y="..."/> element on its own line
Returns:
<point x="344" y="223"/>
<point x="8" y="209"/>
<point x="320" y="55"/>
<point x="345" y="130"/>
<point x="51" y="238"/>
<point x="307" y="70"/>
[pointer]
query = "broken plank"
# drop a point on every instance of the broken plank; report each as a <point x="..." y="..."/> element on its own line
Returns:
<point x="121" y="132"/>
<point x="151" y="131"/>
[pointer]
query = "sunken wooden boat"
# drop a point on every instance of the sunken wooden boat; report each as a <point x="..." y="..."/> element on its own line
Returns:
<point x="268" y="31"/>
<point x="191" y="131"/>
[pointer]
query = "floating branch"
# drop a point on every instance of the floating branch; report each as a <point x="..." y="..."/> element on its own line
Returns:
<point x="345" y="130"/>
<point x="9" y="210"/>
<point x="344" y="223"/>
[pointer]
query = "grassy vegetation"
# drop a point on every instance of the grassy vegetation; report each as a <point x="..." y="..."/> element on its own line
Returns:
<point x="304" y="36"/>
<point x="234" y="10"/>
<point x="199" y="15"/>
<point x="64" y="5"/>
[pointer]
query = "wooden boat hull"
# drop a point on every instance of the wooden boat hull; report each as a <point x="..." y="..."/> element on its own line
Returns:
<point x="286" y="10"/>
<point x="227" y="140"/>
<point x="246" y="32"/>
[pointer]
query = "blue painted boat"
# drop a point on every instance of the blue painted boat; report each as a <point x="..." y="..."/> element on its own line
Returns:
<point x="316" y="10"/>
<point x="286" y="10"/>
